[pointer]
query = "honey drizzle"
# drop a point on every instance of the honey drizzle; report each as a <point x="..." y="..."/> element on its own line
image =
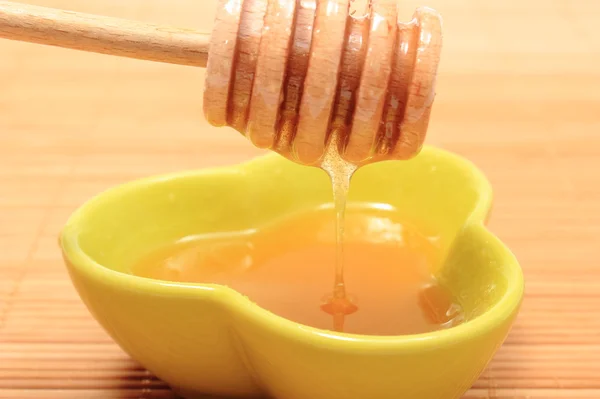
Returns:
<point x="340" y="172"/>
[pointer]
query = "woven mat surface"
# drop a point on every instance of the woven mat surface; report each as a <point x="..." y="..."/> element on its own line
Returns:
<point x="518" y="94"/>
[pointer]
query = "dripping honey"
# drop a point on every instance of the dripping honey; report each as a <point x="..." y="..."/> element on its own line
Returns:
<point x="286" y="268"/>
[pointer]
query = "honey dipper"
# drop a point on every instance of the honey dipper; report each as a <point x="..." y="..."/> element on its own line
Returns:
<point x="288" y="74"/>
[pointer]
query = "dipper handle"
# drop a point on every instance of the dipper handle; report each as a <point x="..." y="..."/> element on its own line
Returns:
<point x="100" y="34"/>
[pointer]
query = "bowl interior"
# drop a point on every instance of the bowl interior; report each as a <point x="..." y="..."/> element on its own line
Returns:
<point x="436" y="190"/>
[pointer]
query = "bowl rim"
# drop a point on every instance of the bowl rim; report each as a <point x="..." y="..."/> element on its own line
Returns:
<point x="504" y="309"/>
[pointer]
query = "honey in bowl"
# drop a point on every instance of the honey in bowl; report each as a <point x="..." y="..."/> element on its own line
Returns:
<point x="287" y="268"/>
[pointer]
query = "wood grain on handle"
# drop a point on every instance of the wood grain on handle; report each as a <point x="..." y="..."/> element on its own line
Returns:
<point x="101" y="34"/>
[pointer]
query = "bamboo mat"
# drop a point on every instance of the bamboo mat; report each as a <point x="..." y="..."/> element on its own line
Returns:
<point x="519" y="94"/>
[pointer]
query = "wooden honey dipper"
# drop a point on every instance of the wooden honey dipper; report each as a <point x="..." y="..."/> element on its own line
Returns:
<point x="288" y="74"/>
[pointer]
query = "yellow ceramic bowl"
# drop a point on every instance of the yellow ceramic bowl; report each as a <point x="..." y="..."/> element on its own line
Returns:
<point x="208" y="339"/>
